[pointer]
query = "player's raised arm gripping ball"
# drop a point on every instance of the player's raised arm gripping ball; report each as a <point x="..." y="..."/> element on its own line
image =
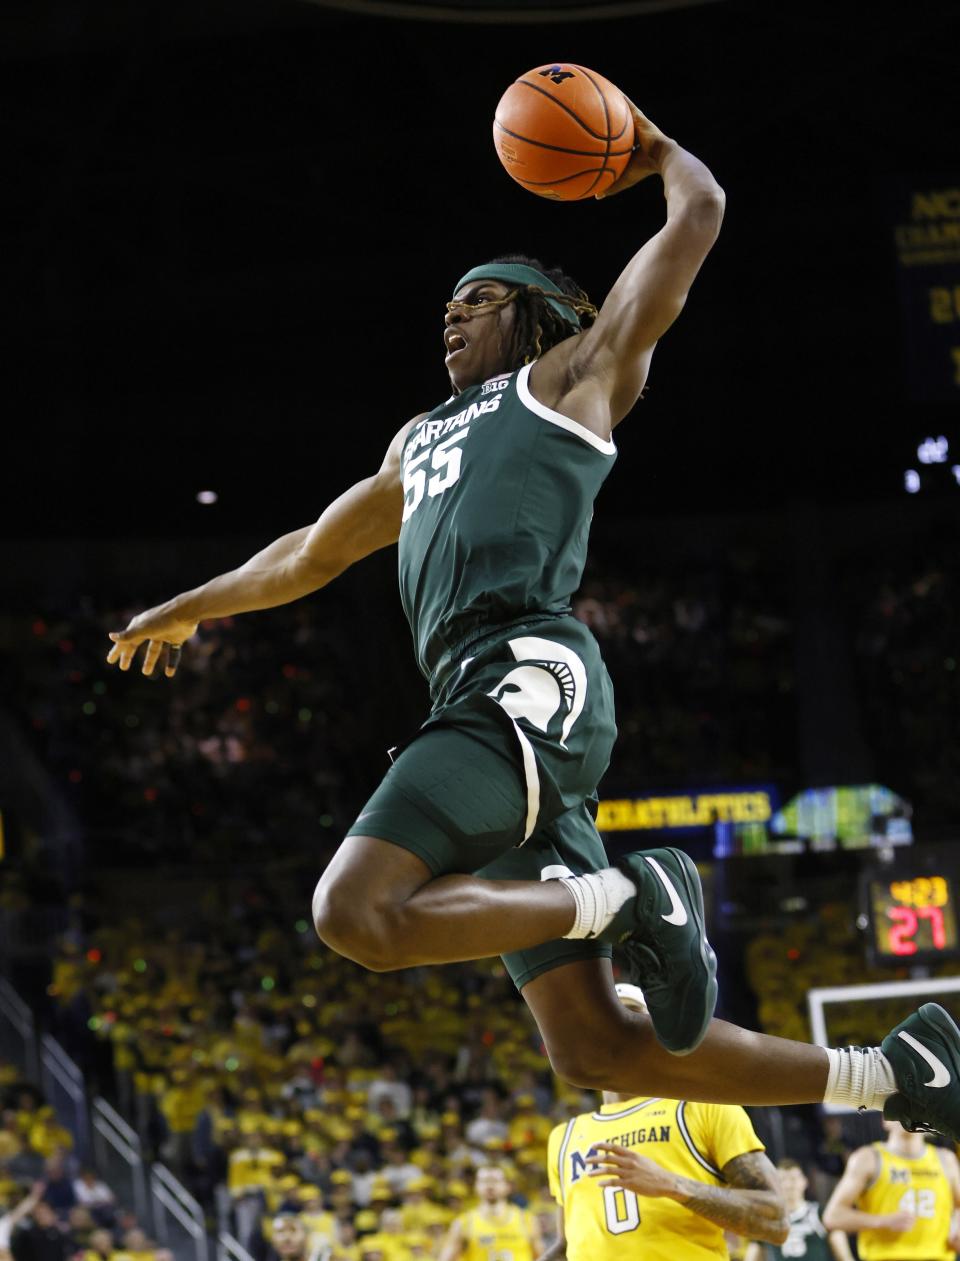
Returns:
<point x="564" y="132"/>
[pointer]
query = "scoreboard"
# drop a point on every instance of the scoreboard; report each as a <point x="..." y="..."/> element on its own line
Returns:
<point x="927" y="236"/>
<point x="911" y="918"/>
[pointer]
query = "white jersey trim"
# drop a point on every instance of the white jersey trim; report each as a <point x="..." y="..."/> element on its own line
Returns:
<point x="604" y="446"/>
<point x="532" y="777"/>
<point x="562" y="1154"/>
<point x="618" y="1116"/>
<point x="691" y="1145"/>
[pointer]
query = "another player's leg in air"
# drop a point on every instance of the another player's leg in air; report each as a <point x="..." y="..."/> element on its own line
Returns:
<point x="380" y="905"/>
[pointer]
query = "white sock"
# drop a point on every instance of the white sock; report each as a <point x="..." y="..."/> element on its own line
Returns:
<point x="598" y="896"/>
<point x="859" y="1077"/>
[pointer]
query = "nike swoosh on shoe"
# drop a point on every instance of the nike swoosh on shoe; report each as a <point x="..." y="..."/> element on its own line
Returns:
<point x="678" y="915"/>
<point x="941" y="1074"/>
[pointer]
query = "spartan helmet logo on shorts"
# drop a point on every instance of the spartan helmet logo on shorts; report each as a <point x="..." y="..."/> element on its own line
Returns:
<point x="549" y="678"/>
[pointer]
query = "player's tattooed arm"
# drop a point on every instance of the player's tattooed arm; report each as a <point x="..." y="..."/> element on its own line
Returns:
<point x="750" y="1204"/>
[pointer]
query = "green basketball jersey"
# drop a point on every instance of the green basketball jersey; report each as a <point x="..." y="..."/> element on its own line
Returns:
<point x="807" y="1237"/>
<point x="498" y="499"/>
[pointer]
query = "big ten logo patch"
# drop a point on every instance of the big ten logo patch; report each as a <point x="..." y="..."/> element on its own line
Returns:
<point x="493" y="387"/>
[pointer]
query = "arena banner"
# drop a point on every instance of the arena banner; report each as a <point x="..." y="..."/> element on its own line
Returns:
<point x="927" y="238"/>
<point x="689" y="812"/>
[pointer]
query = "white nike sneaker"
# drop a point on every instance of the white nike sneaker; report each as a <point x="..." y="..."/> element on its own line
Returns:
<point x="663" y="940"/>
<point x="924" y="1052"/>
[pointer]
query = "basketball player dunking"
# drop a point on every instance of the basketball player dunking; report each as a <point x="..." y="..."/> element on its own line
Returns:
<point x="480" y="839"/>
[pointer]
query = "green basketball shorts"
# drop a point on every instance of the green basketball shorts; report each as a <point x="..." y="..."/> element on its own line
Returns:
<point x="501" y="779"/>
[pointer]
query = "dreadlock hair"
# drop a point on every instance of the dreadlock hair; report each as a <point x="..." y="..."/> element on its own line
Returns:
<point x="538" y="327"/>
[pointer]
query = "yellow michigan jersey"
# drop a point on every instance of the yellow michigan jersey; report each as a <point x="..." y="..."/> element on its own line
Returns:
<point x="694" y="1140"/>
<point x="902" y="1185"/>
<point x="488" y="1238"/>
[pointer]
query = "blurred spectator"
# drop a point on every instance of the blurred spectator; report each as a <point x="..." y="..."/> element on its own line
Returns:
<point x="80" y="1226"/>
<point x="59" y="1193"/>
<point x="290" y="1240"/>
<point x="99" y="1248"/>
<point x="387" y="1085"/>
<point x="11" y="1219"/>
<point x="490" y="1123"/>
<point x="44" y="1239"/>
<point x="94" y="1194"/>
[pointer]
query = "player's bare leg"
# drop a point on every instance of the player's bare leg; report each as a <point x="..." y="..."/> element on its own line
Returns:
<point x="381" y="906"/>
<point x="595" y="1042"/>
<point x="378" y="904"/>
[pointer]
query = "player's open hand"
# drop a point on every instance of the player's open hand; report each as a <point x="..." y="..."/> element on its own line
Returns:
<point x="161" y="630"/>
<point x="629" y="1171"/>
<point x="647" y="153"/>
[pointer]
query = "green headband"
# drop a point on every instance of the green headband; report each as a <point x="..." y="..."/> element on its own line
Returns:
<point x="520" y="274"/>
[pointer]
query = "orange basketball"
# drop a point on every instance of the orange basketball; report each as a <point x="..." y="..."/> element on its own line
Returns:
<point x="563" y="132"/>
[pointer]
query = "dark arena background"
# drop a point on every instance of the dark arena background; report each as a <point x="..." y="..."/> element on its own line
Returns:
<point x="228" y="233"/>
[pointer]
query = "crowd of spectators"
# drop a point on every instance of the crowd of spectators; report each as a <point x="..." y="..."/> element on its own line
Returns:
<point x="51" y="1207"/>
<point x="904" y="608"/>
<point x="277" y="724"/>
<point x="702" y="660"/>
<point x="273" y="1076"/>
<point x="257" y="738"/>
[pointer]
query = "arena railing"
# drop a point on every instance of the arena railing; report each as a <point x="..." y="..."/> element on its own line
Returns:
<point x="178" y="1220"/>
<point x="18" y="1033"/>
<point x="230" y="1249"/>
<point x="64" y="1085"/>
<point x="119" y="1159"/>
<point x="176" y="1217"/>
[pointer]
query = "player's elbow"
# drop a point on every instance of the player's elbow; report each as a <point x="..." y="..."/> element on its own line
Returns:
<point x="583" y="1065"/>
<point x="777" y="1231"/>
<point x="831" y="1218"/>
<point x="702" y="215"/>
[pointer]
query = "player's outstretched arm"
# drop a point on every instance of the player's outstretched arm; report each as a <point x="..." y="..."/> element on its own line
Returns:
<point x="750" y="1204"/>
<point x="535" y="1234"/>
<point x="652" y="289"/>
<point x="839" y="1245"/>
<point x="362" y="520"/>
<point x="26" y="1205"/>
<point x="841" y="1213"/>
<point x="453" y="1245"/>
<point x="951" y="1167"/>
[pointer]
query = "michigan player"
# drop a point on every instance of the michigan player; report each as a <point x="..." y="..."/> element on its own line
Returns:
<point x="495" y="1230"/>
<point x="900" y="1198"/>
<point x="480" y="839"/>
<point x="808" y="1239"/>
<point x="656" y="1178"/>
